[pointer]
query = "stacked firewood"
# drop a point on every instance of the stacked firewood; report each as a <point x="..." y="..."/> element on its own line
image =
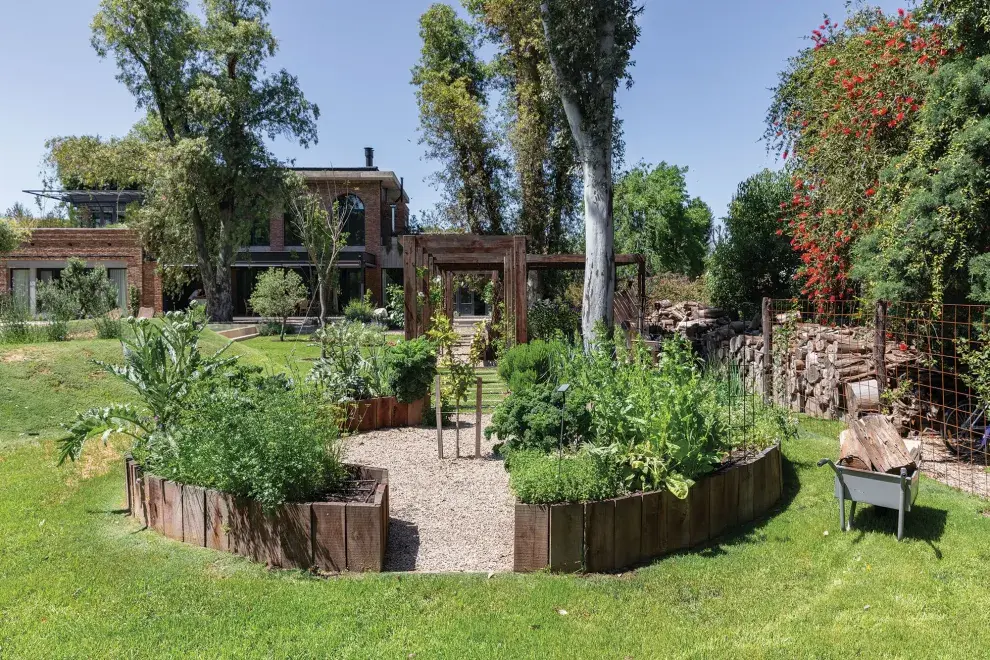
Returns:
<point x="873" y="443"/>
<point x="691" y="319"/>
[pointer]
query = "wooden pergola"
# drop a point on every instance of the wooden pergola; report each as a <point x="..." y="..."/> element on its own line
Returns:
<point x="427" y="256"/>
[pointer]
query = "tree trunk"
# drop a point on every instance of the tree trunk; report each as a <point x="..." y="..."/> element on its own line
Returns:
<point x="324" y="294"/>
<point x="220" y="306"/>
<point x="599" y="269"/>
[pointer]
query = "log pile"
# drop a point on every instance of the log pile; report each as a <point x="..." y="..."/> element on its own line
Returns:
<point x="873" y="443"/>
<point x="691" y="319"/>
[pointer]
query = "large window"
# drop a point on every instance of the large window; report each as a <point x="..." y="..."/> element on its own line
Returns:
<point x="351" y="210"/>
<point x="119" y="278"/>
<point x="20" y="285"/>
<point x="290" y="231"/>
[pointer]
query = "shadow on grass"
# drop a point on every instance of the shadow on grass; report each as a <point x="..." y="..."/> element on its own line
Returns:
<point x="922" y="523"/>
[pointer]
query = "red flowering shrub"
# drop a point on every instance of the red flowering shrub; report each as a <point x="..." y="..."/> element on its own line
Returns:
<point x="841" y="111"/>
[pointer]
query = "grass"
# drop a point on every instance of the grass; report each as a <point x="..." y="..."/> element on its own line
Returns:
<point x="79" y="579"/>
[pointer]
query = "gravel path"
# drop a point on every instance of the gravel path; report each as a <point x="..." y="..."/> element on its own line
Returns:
<point x="446" y="515"/>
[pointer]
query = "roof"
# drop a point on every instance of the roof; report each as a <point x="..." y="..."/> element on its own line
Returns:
<point x="82" y="197"/>
<point x="387" y="178"/>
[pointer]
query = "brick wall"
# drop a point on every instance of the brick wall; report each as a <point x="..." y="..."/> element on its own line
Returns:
<point x="60" y="244"/>
<point x="276" y="232"/>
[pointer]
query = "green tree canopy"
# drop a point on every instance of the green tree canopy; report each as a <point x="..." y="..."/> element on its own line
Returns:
<point x="450" y="83"/>
<point x="654" y="216"/>
<point x="278" y="294"/>
<point x="753" y="257"/>
<point x="200" y="156"/>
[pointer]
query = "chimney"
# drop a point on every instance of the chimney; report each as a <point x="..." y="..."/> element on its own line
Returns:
<point x="369" y="157"/>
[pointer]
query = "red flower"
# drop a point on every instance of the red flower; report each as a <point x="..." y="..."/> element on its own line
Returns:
<point x="870" y="192"/>
<point x="902" y="346"/>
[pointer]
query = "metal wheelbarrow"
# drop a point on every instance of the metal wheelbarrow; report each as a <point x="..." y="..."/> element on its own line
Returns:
<point x="891" y="491"/>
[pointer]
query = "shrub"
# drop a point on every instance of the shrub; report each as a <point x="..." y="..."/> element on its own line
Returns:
<point x="525" y="364"/>
<point x="352" y="364"/>
<point x="676" y="288"/>
<point x="395" y="306"/>
<point x="262" y="439"/>
<point x="15" y="317"/>
<point x="553" y="319"/>
<point x="278" y="294"/>
<point x="412" y="367"/>
<point x="58" y="306"/>
<point x="540" y="478"/>
<point x="95" y="293"/>
<point x="360" y="309"/>
<point x="529" y="418"/>
<point x="134" y="300"/>
<point x="108" y="326"/>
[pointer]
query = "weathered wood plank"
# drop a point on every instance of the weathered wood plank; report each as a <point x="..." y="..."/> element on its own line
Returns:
<point x="746" y="511"/>
<point x="761" y="489"/>
<point x="172" y="510"/>
<point x="294" y="528"/>
<point x="194" y="515"/>
<point x="650" y="541"/>
<point x="599" y="536"/>
<point x="239" y="527"/>
<point x="566" y="537"/>
<point x="364" y="537"/>
<point x="531" y="538"/>
<point x="329" y="536"/>
<point x="716" y="504"/>
<point x="218" y="521"/>
<point x="699" y="510"/>
<point x="677" y="522"/>
<point x="153" y="502"/>
<point x="628" y="530"/>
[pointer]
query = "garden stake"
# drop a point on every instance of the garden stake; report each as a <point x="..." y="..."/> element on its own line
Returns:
<point x="439" y="422"/>
<point x="560" y="445"/>
<point x="477" y="423"/>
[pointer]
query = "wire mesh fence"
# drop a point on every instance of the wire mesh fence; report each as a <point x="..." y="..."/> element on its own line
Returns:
<point x="925" y="366"/>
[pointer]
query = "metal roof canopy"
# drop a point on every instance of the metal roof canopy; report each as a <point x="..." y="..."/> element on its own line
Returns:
<point x="84" y="197"/>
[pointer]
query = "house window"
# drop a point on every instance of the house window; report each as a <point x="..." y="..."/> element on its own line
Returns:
<point x="119" y="277"/>
<point x="20" y="285"/>
<point x="290" y="231"/>
<point x="351" y="210"/>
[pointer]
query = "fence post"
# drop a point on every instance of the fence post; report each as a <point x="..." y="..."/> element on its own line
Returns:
<point x="880" y="345"/>
<point x="767" y="349"/>
<point x="477" y="423"/>
<point x="439" y="421"/>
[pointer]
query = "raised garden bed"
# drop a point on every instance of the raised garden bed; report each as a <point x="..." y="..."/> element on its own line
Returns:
<point x="383" y="413"/>
<point x="618" y="533"/>
<point x="333" y="536"/>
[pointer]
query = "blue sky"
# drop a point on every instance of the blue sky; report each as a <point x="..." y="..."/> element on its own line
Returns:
<point x="702" y="75"/>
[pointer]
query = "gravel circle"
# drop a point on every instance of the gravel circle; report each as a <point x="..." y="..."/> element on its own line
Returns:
<point x="446" y="515"/>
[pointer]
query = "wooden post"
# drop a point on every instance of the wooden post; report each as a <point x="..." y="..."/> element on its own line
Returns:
<point x="880" y="345"/>
<point x="457" y="428"/>
<point x="767" y="349"/>
<point x="409" y="285"/>
<point x="439" y="422"/>
<point x="641" y="281"/>
<point x="477" y="423"/>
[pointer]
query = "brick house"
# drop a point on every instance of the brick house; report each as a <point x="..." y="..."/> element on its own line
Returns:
<point x="374" y="201"/>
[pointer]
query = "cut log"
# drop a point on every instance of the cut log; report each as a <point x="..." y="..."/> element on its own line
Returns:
<point x="883" y="444"/>
<point x="851" y="452"/>
<point x="863" y="396"/>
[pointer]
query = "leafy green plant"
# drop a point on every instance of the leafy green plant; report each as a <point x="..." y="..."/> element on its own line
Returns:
<point x="530" y="418"/>
<point x="412" y="367"/>
<point x="526" y="364"/>
<point x="360" y="309"/>
<point x="108" y="326"/>
<point x="261" y="439"/>
<point x="278" y="294"/>
<point x="395" y="306"/>
<point x="15" y="317"/>
<point x="161" y="363"/>
<point x="58" y="306"/>
<point x="537" y="477"/>
<point x="134" y="300"/>
<point x="552" y="319"/>
<point x="352" y="365"/>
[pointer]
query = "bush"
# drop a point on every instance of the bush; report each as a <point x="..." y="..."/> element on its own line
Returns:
<point x="526" y="364"/>
<point x="676" y="288"/>
<point x="261" y="439"/>
<point x="58" y="306"/>
<point x="540" y="478"/>
<point x="95" y="294"/>
<point x="395" y="306"/>
<point x="529" y="418"/>
<point x="552" y="319"/>
<point x="412" y="367"/>
<point x="15" y="317"/>
<point x="352" y="365"/>
<point x="108" y="327"/>
<point x="360" y="309"/>
<point x="134" y="300"/>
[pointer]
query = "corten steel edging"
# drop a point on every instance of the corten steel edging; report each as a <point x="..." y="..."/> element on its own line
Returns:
<point x="328" y="536"/>
<point x="614" y="534"/>
<point x="383" y="413"/>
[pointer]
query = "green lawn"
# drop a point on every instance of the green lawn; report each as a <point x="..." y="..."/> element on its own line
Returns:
<point x="78" y="579"/>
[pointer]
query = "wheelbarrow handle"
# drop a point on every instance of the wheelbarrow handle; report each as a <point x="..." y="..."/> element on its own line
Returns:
<point x="828" y="461"/>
